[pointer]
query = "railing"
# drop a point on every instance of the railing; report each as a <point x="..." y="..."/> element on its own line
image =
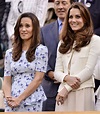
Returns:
<point x="90" y="112"/>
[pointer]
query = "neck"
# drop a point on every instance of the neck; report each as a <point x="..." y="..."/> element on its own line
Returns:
<point x="25" y="45"/>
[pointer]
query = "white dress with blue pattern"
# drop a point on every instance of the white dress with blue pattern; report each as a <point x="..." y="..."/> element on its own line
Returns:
<point x="23" y="73"/>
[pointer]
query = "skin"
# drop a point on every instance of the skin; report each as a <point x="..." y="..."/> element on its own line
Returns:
<point x="61" y="7"/>
<point x="75" y="19"/>
<point x="25" y="31"/>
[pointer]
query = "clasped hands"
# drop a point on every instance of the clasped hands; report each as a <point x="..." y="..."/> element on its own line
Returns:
<point x="13" y="101"/>
<point x="73" y="82"/>
<point x="61" y="96"/>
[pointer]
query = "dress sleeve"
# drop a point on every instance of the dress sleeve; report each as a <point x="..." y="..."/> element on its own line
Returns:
<point x="41" y="58"/>
<point x="7" y="63"/>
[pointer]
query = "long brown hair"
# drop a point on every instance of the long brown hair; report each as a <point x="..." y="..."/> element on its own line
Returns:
<point x="35" y="40"/>
<point x="82" y="36"/>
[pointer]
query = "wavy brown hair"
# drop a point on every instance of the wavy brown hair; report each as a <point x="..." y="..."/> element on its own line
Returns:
<point x="35" y="40"/>
<point x="82" y="36"/>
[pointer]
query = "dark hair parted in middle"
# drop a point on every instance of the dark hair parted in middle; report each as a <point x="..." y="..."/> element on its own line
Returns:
<point x="82" y="37"/>
<point x="35" y="40"/>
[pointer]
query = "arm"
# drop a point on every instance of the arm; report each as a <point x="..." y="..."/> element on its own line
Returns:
<point x="7" y="86"/>
<point x="7" y="76"/>
<point x="97" y="70"/>
<point x="94" y="52"/>
<point x="41" y="11"/>
<point x="59" y="73"/>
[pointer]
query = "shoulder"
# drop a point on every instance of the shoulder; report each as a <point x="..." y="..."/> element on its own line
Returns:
<point x="95" y="44"/>
<point x="41" y="48"/>
<point x="41" y="52"/>
<point x="60" y="42"/>
<point x="95" y="38"/>
<point x="9" y="51"/>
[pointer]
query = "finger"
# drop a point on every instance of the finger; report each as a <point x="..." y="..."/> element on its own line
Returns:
<point x="10" y="104"/>
<point x="62" y="101"/>
<point x="75" y="86"/>
<point x="57" y="102"/>
<point x="78" y="79"/>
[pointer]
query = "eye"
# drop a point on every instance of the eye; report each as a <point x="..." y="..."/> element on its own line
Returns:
<point x="78" y="16"/>
<point x="57" y="3"/>
<point x="20" y="25"/>
<point x="70" y="17"/>
<point x="27" y="25"/>
<point x="64" y="3"/>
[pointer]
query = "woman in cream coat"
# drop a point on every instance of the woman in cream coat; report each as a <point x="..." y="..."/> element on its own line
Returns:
<point x="76" y="58"/>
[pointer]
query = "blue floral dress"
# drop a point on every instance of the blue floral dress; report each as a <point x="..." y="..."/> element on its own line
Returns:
<point x="23" y="73"/>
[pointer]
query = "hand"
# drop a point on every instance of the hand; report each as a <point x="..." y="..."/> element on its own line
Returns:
<point x="9" y="101"/>
<point x="61" y="96"/>
<point x="51" y="75"/>
<point x="13" y="101"/>
<point x="55" y="81"/>
<point x="74" y="82"/>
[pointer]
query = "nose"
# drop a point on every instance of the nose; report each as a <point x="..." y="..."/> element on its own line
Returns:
<point x="74" y="19"/>
<point x="23" y="28"/>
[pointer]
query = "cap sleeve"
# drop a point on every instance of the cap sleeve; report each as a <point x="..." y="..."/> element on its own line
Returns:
<point x="7" y="63"/>
<point x="41" y="56"/>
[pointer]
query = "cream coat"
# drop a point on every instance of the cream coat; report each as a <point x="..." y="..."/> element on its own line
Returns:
<point x="82" y="64"/>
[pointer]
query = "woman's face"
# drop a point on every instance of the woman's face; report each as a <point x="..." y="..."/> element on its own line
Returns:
<point x="75" y="19"/>
<point x="26" y="28"/>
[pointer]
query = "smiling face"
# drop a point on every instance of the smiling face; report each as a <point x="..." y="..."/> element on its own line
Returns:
<point x="61" y="7"/>
<point x="75" y="19"/>
<point x="26" y="28"/>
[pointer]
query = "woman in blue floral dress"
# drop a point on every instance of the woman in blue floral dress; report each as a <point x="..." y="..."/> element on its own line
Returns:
<point x="25" y="65"/>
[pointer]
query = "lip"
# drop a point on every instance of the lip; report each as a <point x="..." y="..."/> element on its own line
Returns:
<point x="74" y="25"/>
<point x="61" y="13"/>
<point x="23" y="33"/>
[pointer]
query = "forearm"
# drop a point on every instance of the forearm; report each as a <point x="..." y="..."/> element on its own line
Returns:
<point x="7" y="89"/>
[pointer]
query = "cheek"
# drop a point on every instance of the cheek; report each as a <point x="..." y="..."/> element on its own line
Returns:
<point x="30" y="31"/>
<point x="69" y="22"/>
<point x="81" y="22"/>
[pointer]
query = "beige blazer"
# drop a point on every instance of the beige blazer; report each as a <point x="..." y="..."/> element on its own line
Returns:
<point x="82" y="64"/>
